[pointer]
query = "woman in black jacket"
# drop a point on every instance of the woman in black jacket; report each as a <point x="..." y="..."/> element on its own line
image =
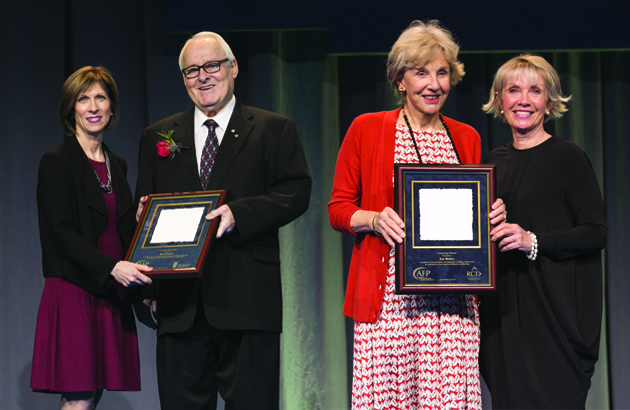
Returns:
<point x="86" y="338"/>
<point x="540" y="332"/>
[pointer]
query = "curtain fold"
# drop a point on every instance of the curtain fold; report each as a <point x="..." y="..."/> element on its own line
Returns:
<point x="616" y="131"/>
<point x="287" y="72"/>
<point x="581" y="77"/>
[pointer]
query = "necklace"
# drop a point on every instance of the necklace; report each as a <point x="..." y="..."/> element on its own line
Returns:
<point x="106" y="188"/>
<point x="415" y="144"/>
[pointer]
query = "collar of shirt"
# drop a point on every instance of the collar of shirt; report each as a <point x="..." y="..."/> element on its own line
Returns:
<point x="201" y="131"/>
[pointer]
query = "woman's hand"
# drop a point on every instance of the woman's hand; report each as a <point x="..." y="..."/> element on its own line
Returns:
<point x="388" y="224"/>
<point x="498" y="214"/>
<point x="511" y="236"/>
<point x="141" y="205"/>
<point x="130" y="274"/>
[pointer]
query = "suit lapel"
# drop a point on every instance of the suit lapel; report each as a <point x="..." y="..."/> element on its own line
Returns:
<point x="238" y="130"/>
<point x="183" y="133"/>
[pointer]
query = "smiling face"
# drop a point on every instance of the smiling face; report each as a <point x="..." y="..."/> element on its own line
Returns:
<point x="427" y="87"/>
<point x="92" y="111"/>
<point x="209" y="92"/>
<point x="524" y="102"/>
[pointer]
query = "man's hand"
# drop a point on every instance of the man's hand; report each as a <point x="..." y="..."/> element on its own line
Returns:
<point x="141" y="205"/>
<point x="227" y="219"/>
<point x="143" y="313"/>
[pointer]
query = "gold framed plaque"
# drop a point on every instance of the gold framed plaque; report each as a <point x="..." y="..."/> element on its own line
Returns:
<point x="447" y="246"/>
<point x="173" y="235"/>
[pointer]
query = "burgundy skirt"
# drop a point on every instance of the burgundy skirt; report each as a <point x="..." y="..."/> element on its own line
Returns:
<point x="84" y="342"/>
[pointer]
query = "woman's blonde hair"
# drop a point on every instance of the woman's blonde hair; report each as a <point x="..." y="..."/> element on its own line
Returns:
<point x="417" y="46"/>
<point x="533" y="65"/>
<point x="79" y="82"/>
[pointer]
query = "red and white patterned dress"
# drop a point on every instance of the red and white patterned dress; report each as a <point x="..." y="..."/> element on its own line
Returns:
<point x="422" y="352"/>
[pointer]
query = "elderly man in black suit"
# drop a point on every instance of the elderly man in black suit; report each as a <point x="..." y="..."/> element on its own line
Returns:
<point x="222" y="332"/>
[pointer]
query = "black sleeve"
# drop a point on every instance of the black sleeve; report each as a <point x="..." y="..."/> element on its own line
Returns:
<point x="287" y="196"/>
<point x="584" y="200"/>
<point x="56" y="201"/>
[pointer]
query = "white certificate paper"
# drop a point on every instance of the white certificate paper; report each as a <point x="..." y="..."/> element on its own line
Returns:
<point x="177" y="225"/>
<point x="446" y="214"/>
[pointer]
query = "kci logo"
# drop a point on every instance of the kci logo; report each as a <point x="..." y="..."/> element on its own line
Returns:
<point x="475" y="273"/>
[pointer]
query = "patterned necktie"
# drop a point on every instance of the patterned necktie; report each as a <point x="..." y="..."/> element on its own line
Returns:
<point x="210" y="149"/>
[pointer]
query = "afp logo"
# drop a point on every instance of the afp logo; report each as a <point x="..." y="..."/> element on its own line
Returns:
<point x="421" y="273"/>
<point x="474" y="273"/>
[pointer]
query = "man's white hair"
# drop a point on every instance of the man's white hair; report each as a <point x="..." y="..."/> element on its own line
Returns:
<point x="207" y="34"/>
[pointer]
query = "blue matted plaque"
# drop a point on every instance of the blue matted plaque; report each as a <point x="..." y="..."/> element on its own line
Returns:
<point x="447" y="246"/>
<point x="173" y="235"/>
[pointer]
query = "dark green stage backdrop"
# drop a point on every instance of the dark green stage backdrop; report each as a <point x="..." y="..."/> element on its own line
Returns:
<point x="288" y="72"/>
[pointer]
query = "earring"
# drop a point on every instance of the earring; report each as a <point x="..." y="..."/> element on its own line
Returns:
<point x="501" y="112"/>
<point x="547" y="112"/>
<point x="401" y="90"/>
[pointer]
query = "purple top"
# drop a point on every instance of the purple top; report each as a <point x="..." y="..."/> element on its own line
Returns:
<point x="109" y="241"/>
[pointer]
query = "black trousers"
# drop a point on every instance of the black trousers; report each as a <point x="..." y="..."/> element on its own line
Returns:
<point x="241" y="365"/>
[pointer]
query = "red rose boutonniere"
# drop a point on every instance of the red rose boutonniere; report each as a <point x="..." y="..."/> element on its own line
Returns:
<point x="168" y="147"/>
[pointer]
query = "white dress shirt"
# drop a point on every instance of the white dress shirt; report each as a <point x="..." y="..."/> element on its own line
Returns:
<point x="201" y="131"/>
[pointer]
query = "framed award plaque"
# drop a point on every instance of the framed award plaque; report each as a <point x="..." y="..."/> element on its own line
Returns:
<point x="173" y="235"/>
<point x="447" y="246"/>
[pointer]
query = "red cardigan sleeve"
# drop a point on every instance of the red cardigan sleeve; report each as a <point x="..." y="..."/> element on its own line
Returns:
<point x="346" y="193"/>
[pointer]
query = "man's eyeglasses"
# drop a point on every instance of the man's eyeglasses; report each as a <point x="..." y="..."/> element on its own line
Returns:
<point x="209" y="67"/>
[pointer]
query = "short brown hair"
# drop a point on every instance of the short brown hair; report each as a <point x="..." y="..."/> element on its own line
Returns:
<point x="531" y="64"/>
<point x="79" y="82"/>
<point x="417" y="46"/>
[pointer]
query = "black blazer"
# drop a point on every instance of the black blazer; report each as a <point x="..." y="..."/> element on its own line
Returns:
<point x="261" y="164"/>
<point x="72" y="215"/>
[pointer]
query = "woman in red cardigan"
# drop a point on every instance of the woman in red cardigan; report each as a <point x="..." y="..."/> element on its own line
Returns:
<point x="410" y="351"/>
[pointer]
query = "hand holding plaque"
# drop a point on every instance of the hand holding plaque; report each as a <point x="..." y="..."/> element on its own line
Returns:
<point x="173" y="235"/>
<point x="447" y="245"/>
<point x="388" y="224"/>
